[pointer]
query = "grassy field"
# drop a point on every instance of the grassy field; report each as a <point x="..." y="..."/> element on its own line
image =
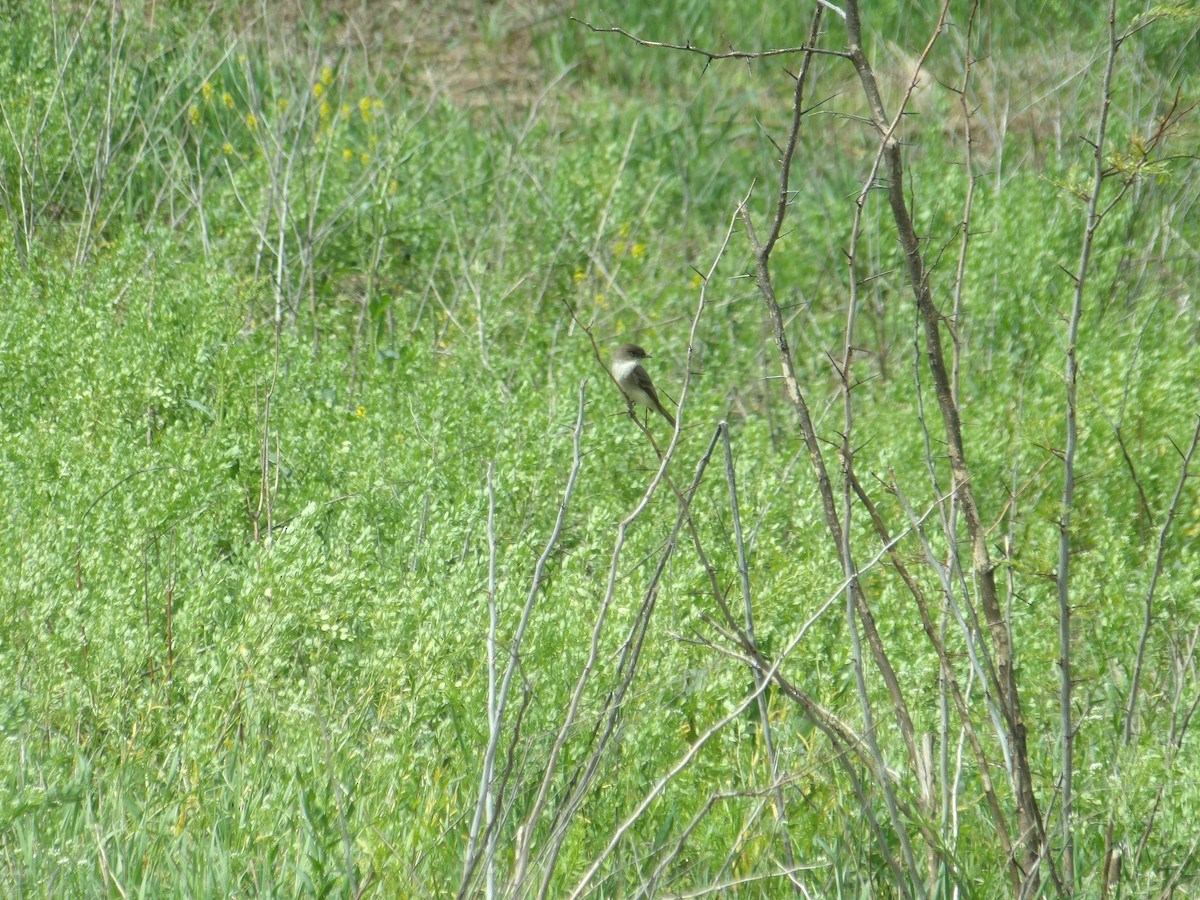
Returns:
<point x="301" y="426"/>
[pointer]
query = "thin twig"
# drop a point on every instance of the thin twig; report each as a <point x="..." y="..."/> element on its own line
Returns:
<point x="711" y="55"/>
<point x="534" y="587"/>
<point x="1148" y="622"/>
<point x="764" y="712"/>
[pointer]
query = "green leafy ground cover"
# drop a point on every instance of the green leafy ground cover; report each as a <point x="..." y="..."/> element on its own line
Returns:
<point x="221" y="682"/>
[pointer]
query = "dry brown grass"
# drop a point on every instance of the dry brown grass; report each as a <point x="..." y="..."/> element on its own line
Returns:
<point x="476" y="54"/>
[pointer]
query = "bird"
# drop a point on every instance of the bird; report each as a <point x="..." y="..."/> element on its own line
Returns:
<point x="633" y="381"/>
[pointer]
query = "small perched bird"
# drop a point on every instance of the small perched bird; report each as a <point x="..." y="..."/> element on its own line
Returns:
<point x="635" y="384"/>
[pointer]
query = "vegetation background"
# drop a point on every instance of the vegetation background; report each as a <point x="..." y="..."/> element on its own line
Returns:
<point x="288" y="307"/>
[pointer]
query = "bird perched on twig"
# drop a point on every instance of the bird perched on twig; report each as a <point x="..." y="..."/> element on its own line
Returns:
<point x="635" y="384"/>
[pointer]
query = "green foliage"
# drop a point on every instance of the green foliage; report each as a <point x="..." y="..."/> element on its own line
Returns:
<point x="271" y="308"/>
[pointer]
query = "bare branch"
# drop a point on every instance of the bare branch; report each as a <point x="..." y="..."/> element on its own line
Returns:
<point x="771" y="672"/>
<point x="1029" y="818"/>
<point x="539" y="569"/>
<point x="1154" y="576"/>
<point x="711" y="55"/>
<point x="1092" y="223"/>
<point x="764" y="713"/>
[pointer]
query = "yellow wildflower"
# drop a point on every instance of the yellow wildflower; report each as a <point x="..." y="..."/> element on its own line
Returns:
<point x="324" y="110"/>
<point x="347" y="154"/>
<point x="318" y="90"/>
<point x="193" y="114"/>
<point x="227" y="147"/>
<point x="696" y="280"/>
<point x="623" y="231"/>
<point x="252" y="121"/>
<point x="364" y="158"/>
<point x="282" y="104"/>
<point x="360" y="412"/>
<point x="619" y="248"/>
<point x="579" y="275"/>
<point x="227" y="99"/>
<point x="206" y="91"/>
<point x="326" y="76"/>
<point x="364" y="108"/>
<point x="639" y="250"/>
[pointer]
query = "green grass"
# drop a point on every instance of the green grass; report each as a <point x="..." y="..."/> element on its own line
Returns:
<point x="273" y="306"/>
